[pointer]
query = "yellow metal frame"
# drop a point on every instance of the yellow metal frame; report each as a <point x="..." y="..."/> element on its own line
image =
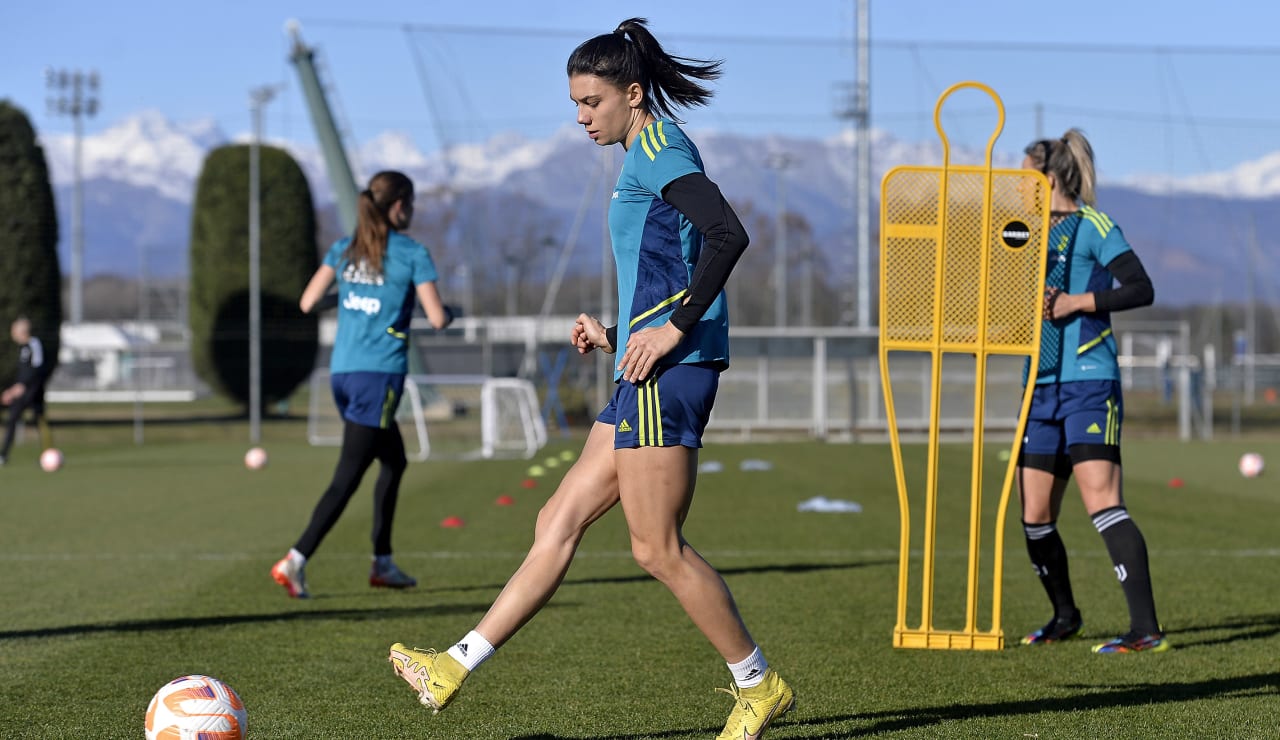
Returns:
<point x="1006" y="321"/>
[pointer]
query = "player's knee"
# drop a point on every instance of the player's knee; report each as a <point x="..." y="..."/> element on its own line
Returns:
<point x="396" y="463"/>
<point x="657" y="561"/>
<point x="556" y="527"/>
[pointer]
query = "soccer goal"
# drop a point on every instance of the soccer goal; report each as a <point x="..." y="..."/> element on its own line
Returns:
<point x="447" y="417"/>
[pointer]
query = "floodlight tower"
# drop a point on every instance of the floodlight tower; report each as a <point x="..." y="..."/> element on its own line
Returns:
<point x="780" y="162"/>
<point x="854" y="104"/>
<point x="863" y="118"/>
<point x="258" y="98"/>
<point x="74" y="94"/>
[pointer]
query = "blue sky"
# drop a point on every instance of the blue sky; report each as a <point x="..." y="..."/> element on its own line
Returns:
<point x="1178" y="91"/>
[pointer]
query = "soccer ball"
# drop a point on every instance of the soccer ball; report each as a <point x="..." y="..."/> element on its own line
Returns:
<point x="50" y="460"/>
<point x="1251" y="465"/>
<point x="196" y="707"/>
<point x="255" y="458"/>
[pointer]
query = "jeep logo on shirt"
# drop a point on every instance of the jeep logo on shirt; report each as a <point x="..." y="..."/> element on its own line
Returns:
<point x="355" y="302"/>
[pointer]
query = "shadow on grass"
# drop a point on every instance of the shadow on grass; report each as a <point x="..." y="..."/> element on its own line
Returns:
<point x="148" y="625"/>
<point x="180" y="623"/>
<point x="1255" y="627"/>
<point x="915" y="718"/>
<point x="644" y="577"/>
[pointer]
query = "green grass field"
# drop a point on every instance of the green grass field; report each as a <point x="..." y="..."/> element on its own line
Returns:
<point x="136" y="564"/>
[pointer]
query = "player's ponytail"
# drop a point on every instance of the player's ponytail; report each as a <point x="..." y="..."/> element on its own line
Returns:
<point x="632" y="54"/>
<point x="1070" y="160"/>
<point x="1081" y="182"/>
<point x="369" y="244"/>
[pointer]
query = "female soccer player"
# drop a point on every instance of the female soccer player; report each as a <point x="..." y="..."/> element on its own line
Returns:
<point x="1076" y="409"/>
<point x="675" y="241"/>
<point x="379" y="270"/>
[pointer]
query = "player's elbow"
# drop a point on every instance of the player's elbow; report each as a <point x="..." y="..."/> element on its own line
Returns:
<point x="1145" y="295"/>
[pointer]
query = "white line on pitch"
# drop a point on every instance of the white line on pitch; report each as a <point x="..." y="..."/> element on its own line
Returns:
<point x="790" y="555"/>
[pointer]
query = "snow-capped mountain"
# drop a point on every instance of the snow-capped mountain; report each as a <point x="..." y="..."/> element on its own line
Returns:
<point x="148" y="150"/>
<point x="1257" y="179"/>
<point x="145" y="150"/>
<point x="140" y="175"/>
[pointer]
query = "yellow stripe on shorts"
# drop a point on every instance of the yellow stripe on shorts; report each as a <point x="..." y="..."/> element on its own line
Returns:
<point x="641" y="429"/>
<point x="649" y="408"/>
<point x="656" y="408"/>
<point x="388" y="409"/>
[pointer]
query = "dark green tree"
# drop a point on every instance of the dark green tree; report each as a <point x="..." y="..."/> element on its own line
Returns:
<point x="28" y="241"/>
<point x="219" y="308"/>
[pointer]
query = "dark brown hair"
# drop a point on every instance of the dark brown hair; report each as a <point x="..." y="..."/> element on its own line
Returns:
<point x="369" y="243"/>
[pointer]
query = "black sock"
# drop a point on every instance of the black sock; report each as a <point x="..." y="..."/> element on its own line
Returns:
<point x="358" y="450"/>
<point x="1129" y="556"/>
<point x="1049" y="558"/>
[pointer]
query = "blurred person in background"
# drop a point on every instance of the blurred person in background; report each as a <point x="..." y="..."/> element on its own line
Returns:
<point x="379" y="271"/>
<point x="675" y="241"/>
<point x="1073" y="427"/>
<point x="27" y="391"/>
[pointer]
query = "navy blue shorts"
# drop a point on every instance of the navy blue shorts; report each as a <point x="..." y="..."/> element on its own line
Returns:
<point x="668" y="409"/>
<point x="368" y="399"/>
<point x="1084" y="413"/>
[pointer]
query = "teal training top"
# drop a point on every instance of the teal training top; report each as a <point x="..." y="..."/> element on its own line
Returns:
<point x="656" y="248"/>
<point x="1081" y="346"/>
<point x="374" y="310"/>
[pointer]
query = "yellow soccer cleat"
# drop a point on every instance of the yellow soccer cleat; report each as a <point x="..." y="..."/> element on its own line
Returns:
<point x="757" y="707"/>
<point x="435" y="676"/>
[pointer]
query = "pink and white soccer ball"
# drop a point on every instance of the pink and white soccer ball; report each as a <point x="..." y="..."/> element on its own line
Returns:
<point x="51" y="460"/>
<point x="196" y="708"/>
<point x="255" y="458"/>
<point x="1251" y="465"/>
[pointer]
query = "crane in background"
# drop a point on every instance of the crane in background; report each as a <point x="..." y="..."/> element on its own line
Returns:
<point x="336" y="163"/>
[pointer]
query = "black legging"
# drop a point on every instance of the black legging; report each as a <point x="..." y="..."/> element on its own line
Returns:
<point x="361" y="445"/>
<point x="33" y="399"/>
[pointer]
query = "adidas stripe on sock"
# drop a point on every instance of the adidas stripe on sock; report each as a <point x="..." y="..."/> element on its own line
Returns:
<point x="471" y="650"/>
<point x="750" y="671"/>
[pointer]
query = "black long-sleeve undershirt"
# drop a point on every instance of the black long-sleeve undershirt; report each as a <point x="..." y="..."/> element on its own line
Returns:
<point x="1135" y="289"/>
<point x="724" y="241"/>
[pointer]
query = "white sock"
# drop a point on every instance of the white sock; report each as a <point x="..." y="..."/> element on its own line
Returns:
<point x="297" y="558"/>
<point x="471" y="650"/>
<point x="750" y="672"/>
